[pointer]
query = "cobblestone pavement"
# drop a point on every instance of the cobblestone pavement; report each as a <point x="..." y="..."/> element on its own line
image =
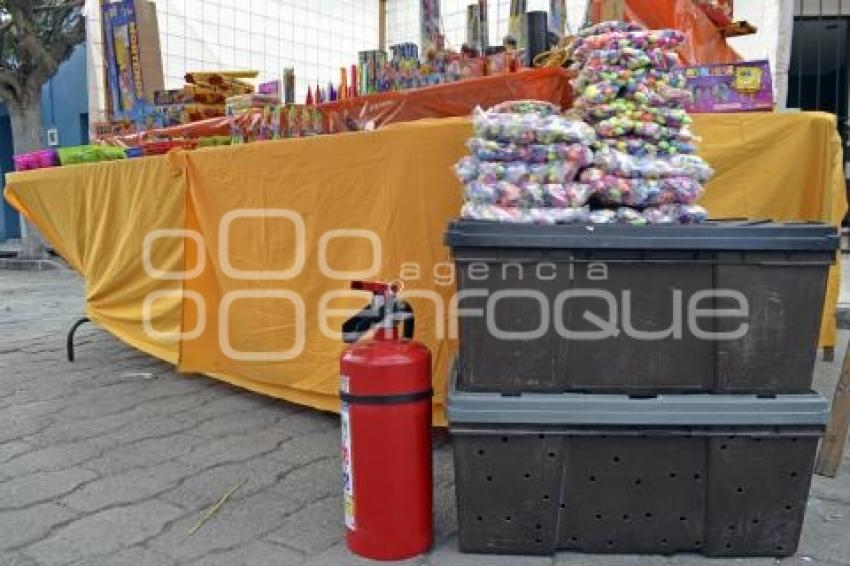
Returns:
<point x="113" y="459"/>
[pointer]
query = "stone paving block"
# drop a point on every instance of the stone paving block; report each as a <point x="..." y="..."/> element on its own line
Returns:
<point x="254" y="553"/>
<point x="21" y="527"/>
<point x="26" y="490"/>
<point x="17" y="559"/>
<point x="238" y="448"/>
<point x="9" y="450"/>
<point x="128" y="487"/>
<point x="235" y="423"/>
<point x="311" y="480"/>
<point x="339" y="555"/>
<point x="202" y="488"/>
<point x="448" y="555"/>
<point x="144" y="453"/>
<point x="236" y="523"/>
<point x="104" y="532"/>
<point x="56" y="457"/>
<point x="306" y="447"/>
<point x="133" y="556"/>
<point x="826" y="531"/>
<point x="313" y="529"/>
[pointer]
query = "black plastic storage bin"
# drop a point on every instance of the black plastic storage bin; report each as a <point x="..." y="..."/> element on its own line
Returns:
<point x="723" y="475"/>
<point x="528" y="296"/>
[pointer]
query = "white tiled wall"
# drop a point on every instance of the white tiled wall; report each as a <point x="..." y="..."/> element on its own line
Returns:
<point x="317" y="37"/>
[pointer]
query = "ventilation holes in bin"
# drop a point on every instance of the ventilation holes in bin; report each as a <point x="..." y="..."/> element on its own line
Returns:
<point x="598" y="516"/>
<point x="504" y="439"/>
<point x="591" y="478"/>
<point x="648" y="515"/>
<point x="723" y="447"/>
<point x="732" y="528"/>
<point x="697" y="543"/>
<point x="538" y="540"/>
<point x="794" y="474"/>
<point x="551" y="454"/>
<point x="728" y="545"/>
<point x="787" y="507"/>
<point x="563" y="505"/>
<point x="673" y="475"/>
<point x="683" y="518"/>
<point x="638" y="481"/>
<point x="616" y="459"/>
<point x="538" y="526"/>
<point x="541" y="436"/>
<point x="664" y="542"/>
<point x="574" y="539"/>
<point x="610" y="543"/>
<point x="739" y="489"/>
<point x="507" y="518"/>
<point x="547" y="497"/>
<point x="697" y="477"/>
<point x="779" y="548"/>
<point x="479" y="518"/>
<point x="756" y="521"/>
<point x="756" y="440"/>
<point x="626" y="517"/>
<point x="527" y="476"/>
<point x="489" y="478"/>
<point x="480" y="452"/>
<point x="793" y="439"/>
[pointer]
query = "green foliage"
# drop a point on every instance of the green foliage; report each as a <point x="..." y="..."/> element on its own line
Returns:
<point x="36" y="36"/>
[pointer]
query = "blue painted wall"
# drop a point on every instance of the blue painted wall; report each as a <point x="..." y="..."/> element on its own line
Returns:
<point x="64" y="106"/>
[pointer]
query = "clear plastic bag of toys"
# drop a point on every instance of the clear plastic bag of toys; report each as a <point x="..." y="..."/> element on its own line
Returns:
<point x="629" y="109"/>
<point x="619" y="126"/>
<point x="642" y="147"/>
<point x="643" y="92"/>
<point x="629" y="58"/>
<point x="622" y="164"/>
<point x="496" y="213"/>
<point x="538" y="107"/>
<point x="561" y="171"/>
<point x="530" y="128"/>
<point x="630" y="80"/>
<point x="665" y="214"/>
<point x="491" y="150"/>
<point x="633" y="191"/>
<point x="608" y="27"/>
<point x="528" y="195"/>
<point x="668" y="39"/>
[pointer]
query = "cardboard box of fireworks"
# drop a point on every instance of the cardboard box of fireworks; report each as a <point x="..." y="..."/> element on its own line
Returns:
<point x="730" y="87"/>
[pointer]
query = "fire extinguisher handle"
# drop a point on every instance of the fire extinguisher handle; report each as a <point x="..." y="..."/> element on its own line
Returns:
<point x="408" y="321"/>
<point x="358" y="325"/>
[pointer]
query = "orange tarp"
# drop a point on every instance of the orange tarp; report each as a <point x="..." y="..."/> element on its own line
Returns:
<point x="439" y="101"/>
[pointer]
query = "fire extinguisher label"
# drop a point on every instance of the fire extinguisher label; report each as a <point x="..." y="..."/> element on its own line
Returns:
<point x="347" y="467"/>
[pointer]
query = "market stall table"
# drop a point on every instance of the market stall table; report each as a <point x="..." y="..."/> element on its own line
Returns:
<point x="207" y="259"/>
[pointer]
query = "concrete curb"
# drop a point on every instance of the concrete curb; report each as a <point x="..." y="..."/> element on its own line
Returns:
<point x="19" y="264"/>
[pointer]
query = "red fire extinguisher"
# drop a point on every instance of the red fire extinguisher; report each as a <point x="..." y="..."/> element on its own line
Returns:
<point x="385" y="389"/>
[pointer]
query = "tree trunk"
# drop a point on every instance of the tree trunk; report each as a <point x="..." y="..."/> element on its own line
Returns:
<point x="25" y="116"/>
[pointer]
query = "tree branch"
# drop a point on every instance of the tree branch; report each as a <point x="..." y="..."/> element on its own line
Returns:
<point x="9" y="85"/>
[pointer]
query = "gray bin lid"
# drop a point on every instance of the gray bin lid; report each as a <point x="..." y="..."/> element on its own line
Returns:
<point x="586" y="409"/>
<point x="716" y="235"/>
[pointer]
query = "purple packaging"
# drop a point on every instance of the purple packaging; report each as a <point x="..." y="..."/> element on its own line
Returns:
<point x="730" y="87"/>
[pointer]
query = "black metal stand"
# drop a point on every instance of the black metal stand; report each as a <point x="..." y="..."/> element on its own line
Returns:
<point x="70" y="342"/>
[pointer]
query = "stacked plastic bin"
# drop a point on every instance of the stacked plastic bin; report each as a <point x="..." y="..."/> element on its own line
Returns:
<point x="636" y="389"/>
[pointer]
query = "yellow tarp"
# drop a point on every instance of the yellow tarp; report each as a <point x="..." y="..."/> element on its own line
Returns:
<point x="313" y="211"/>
